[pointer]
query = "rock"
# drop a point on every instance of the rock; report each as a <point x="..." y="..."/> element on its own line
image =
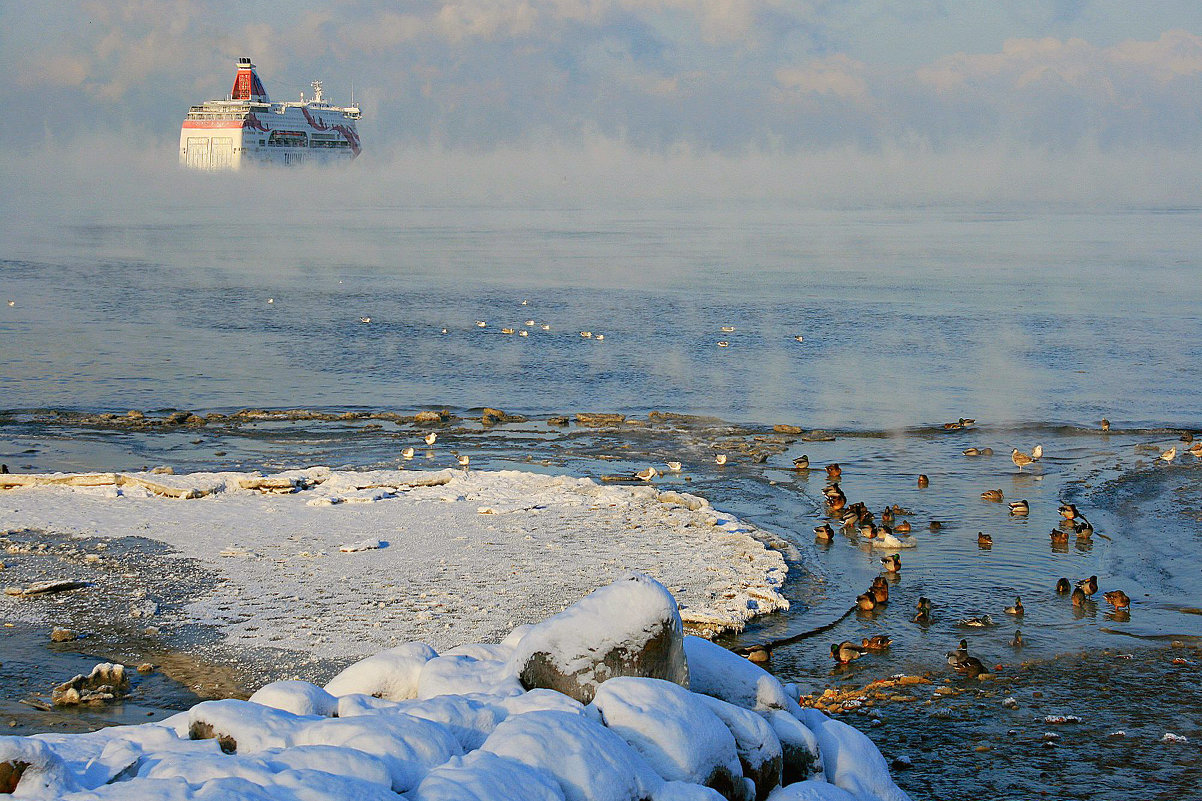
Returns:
<point x="817" y="436"/>
<point x="46" y="588"/>
<point x="106" y="682"/>
<point x="800" y="758"/>
<point x="901" y="763"/>
<point x="177" y="418"/>
<point x="297" y="697"/>
<point x="673" y="730"/>
<point x="598" y="419"/>
<point x="760" y="752"/>
<point x="58" y="634"/>
<point x="717" y="672"/>
<point x="392" y="675"/>
<point x="134" y="414"/>
<point x="145" y="668"/>
<point x="492" y="417"/>
<point x="558" y="421"/>
<point x="785" y="428"/>
<point x="427" y="417"/>
<point x="629" y="628"/>
<point x="163" y="471"/>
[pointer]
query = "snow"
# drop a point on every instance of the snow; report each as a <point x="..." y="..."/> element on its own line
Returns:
<point x="391" y="674"/>
<point x="448" y="575"/>
<point x="715" y="671"/>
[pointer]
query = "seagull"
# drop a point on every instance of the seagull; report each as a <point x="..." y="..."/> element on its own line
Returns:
<point x="1020" y="459"/>
<point x="1170" y="454"/>
<point x="529" y="322"/>
<point x="728" y="329"/>
<point x="523" y="333"/>
<point x="586" y="334"/>
<point x="720" y="458"/>
<point x="1196" y="448"/>
<point x="799" y="338"/>
<point x="365" y="319"/>
<point x="407" y="453"/>
<point x="724" y="344"/>
<point x="647" y="474"/>
<point x="463" y="459"/>
<point x="480" y="324"/>
<point x="673" y="466"/>
<point x="431" y="438"/>
<point x="1037" y="452"/>
<point x="269" y="300"/>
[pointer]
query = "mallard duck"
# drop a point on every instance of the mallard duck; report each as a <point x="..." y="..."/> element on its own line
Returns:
<point x="972" y="451"/>
<point x="935" y="525"/>
<point x="1082" y="527"/>
<point x="984" y="540"/>
<point x="1079" y="597"/>
<point x="1089" y="586"/>
<point x="1105" y="424"/>
<point x="952" y="426"/>
<point x="903" y="527"/>
<point x="973" y="667"/>
<point x="1017" y="641"/>
<point x="1117" y="598"/>
<point x="1068" y="511"/>
<point x="880" y="590"/>
<point x="923" y="481"/>
<point x="965" y="422"/>
<point x="1020" y="508"/>
<point x="887" y="515"/>
<point x="850" y="518"/>
<point x="877" y="642"/>
<point x="892" y="563"/>
<point x="1017" y="609"/>
<point x="924" y="610"/>
<point x="846" y="651"/>
<point x="824" y="532"/>
<point x="801" y="463"/>
<point x="833" y="470"/>
<point x="1020" y="459"/>
<point x="836" y="500"/>
<point x="987" y="451"/>
<point x="866" y="601"/>
<point x="728" y="329"/>
<point x="981" y="622"/>
<point x="957" y="657"/>
<point x="867" y="531"/>
<point x="1059" y="535"/>
<point x="994" y="495"/>
<point x="1063" y="586"/>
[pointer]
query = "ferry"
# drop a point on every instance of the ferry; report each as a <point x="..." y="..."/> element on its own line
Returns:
<point x="248" y="129"/>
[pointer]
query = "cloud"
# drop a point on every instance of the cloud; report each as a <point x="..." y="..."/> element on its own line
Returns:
<point x="837" y="75"/>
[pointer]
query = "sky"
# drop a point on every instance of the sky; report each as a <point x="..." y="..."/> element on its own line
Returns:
<point x="1047" y="92"/>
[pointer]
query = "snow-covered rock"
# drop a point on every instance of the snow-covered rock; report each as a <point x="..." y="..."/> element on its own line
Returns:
<point x="392" y="675"/>
<point x="297" y="697"/>
<point x="629" y="628"/>
<point x="717" y="672"/>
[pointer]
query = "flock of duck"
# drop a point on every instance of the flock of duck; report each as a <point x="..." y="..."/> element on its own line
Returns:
<point x="856" y="518"/>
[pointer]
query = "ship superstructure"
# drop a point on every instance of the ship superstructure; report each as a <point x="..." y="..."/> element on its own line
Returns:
<point x="248" y="129"/>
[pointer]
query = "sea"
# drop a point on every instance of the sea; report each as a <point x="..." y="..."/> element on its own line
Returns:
<point x="759" y="330"/>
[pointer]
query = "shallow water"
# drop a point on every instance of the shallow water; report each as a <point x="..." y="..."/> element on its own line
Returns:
<point x="1036" y="322"/>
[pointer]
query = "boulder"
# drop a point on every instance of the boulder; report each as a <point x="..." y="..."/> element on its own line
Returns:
<point x="674" y="730"/>
<point x="600" y="419"/>
<point x="720" y="673"/>
<point x="629" y="628"/>
<point x="428" y="417"/>
<point x="760" y="753"/>
<point x="799" y="747"/>
<point x="392" y="675"/>
<point x="297" y="697"/>
<point x="106" y="682"/>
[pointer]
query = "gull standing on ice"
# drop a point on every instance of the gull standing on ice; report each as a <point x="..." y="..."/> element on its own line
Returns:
<point x="647" y="474"/>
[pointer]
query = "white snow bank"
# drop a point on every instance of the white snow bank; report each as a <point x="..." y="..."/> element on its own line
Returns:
<point x="479" y="739"/>
<point x="449" y="574"/>
<point x="717" y="672"/>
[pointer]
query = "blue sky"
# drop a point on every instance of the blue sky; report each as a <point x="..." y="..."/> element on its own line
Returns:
<point x="735" y="78"/>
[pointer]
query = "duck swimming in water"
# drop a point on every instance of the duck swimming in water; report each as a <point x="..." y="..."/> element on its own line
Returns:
<point x="824" y="532"/>
<point x="880" y="590"/>
<point x="892" y="563"/>
<point x="1063" y="586"/>
<point x="994" y="495"/>
<point x="924" y="611"/>
<point x="833" y="470"/>
<point x="1059" y="536"/>
<point x="1020" y="508"/>
<point x="957" y="657"/>
<point x="1089" y="586"/>
<point x="1079" y="597"/>
<point x="982" y="622"/>
<point x="984" y="540"/>
<point x="877" y="642"/>
<point x="845" y="652"/>
<point x="1068" y="511"/>
<point x="1017" y="641"/>
<point x="866" y="601"/>
<point x="801" y="463"/>
<point x="923" y="481"/>
<point x="1017" y="609"/>
<point x="1082" y="527"/>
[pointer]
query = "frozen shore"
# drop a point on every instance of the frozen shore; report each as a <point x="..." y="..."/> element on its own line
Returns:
<point x="605" y="701"/>
<point x="340" y="564"/>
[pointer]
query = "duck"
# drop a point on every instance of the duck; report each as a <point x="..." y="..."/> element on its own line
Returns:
<point x="431" y="438"/>
<point x="903" y="527"/>
<point x="600" y="337"/>
<point x="1020" y="459"/>
<point x="836" y="500"/>
<point x="1082" y="527"/>
<point x="850" y="518"/>
<point x="984" y="540"/>
<point x="957" y="657"/>
<point x="892" y="563"/>
<point x="994" y="495"/>
<point x="973" y="667"/>
<point x="1017" y="640"/>
<point x="935" y="525"/>
<point x="1117" y="598"/>
<point x="529" y="323"/>
<point x="866" y="601"/>
<point x="1078" y="597"/>
<point x="1196" y="448"/>
<point x="407" y="453"/>
<point x="1170" y="454"/>
<point x="801" y="463"/>
<point x="1037" y="453"/>
<point x="867" y="530"/>
<point x="507" y="330"/>
<point x="799" y="338"/>
<point x="1089" y="586"/>
<point x="924" y="610"/>
<point x="877" y="642"/>
<point x="972" y="451"/>
<point x="720" y="458"/>
<point x="885" y="538"/>
<point x="723" y="344"/>
<point x="1020" y="508"/>
<point x="545" y="326"/>
<point x="365" y="320"/>
<point x="887" y="515"/>
<point x="728" y="329"/>
<point x="1017" y="609"/>
<point x="965" y="422"/>
<point x="833" y="470"/>
<point x="880" y="590"/>
<point x="1059" y="536"/>
<point x="586" y="334"/>
<point x="824" y="532"/>
<point x="523" y="333"/>
<point x="1068" y="511"/>
<point x="979" y="622"/>
<point x="1105" y="424"/>
<point x="846" y="651"/>
<point x="480" y="324"/>
<point x="923" y="481"/>
<point x="1063" y="586"/>
<point x="646" y="474"/>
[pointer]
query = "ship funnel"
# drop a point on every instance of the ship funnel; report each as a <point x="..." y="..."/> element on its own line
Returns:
<point x="247" y="85"/>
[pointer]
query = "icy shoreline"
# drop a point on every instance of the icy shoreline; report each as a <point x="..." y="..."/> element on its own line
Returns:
<point x="339" y="564"/>
<point x="605" y="701"/>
